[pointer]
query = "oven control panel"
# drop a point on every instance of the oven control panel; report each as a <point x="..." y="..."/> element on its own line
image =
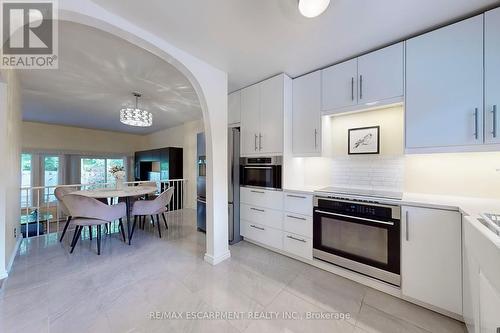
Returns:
<point x="348" y="207"/>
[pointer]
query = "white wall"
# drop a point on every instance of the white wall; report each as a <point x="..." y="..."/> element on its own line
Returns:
<point x="463" y="174"/>
<point x="10" y="181"/>
<point x="38" y="136"/>
<point x="183" y="136"/>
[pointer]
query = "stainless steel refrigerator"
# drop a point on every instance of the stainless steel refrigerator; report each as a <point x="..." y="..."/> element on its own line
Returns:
<point x="233" y="181"/>
<point x="234" y="185"/>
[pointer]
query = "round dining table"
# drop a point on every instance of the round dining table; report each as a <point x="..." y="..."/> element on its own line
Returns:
<point x="126" y="192"/>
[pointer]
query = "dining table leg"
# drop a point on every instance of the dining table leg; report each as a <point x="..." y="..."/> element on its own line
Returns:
<point x="127" y="202"/>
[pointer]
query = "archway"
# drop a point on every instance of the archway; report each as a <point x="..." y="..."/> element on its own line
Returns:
<point x="210" y="85"/>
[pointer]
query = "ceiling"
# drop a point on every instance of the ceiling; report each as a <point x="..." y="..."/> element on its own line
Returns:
<point x="255" y="39"/>
<point x="96" y="76"/>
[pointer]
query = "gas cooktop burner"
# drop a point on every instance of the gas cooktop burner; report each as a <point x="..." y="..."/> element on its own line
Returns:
<point x="365" y="192"/>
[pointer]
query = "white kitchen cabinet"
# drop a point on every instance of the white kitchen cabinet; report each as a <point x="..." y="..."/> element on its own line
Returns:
<point x="234" y="108"/>
<point x="444" y="86"/>
<point x="381" y="74"/>
<point x="269" y="217"/>
<point x="306" y="115"/>
<point x="489" y="305"/>
<point x="492" y="75"/>
<point x="431" y="257"/>
<point x="297" y="245"/>
<point x="261" y="198"/>
<point x="262" y="112"/>
<point x="250" y="120"/>
<point x="297" y="202"/>
<point x="271" y="115"/>
<point x="470" y="290"/>
<point x="339" y="86"/>
<point x="262" y="234"/>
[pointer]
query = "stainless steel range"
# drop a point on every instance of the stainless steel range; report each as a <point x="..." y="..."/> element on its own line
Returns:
<point x="357" y="232"/>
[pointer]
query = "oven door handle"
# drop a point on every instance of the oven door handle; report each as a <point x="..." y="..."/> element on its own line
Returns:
<point x="257" y="167"/>
<point x="355" y="217"/>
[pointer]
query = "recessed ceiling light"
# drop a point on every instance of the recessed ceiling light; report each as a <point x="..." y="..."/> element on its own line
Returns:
<point x="313" y="8"/>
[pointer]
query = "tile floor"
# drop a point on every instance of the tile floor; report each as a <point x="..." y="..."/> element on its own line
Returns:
<point x="50" y="290"/>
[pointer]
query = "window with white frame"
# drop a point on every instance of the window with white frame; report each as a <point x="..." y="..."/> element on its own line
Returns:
<point x="96" y="170"/>
<point x="51" y="176"/>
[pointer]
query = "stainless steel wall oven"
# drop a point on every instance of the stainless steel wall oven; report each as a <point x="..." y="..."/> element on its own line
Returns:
<point x="262" y="172"/>
<point x="363" y="236"/>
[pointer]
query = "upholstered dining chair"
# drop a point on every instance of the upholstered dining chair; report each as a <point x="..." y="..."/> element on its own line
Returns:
<point x="90" y="212"/>
<point x="156" y="207"/>
<point x="59" y="193"/>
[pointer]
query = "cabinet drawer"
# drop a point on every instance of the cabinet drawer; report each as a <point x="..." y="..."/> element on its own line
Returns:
<point x="262" y="234"/>
<point x="297" y="224"/>
<point x="261" y="198"/>
<point x="298" y="203"/>
<point x="270" y="217"/>
<point x="298" y="245"/>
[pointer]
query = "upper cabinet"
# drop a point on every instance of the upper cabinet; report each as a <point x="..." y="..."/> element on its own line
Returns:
<point x="492" y="75"/>
<point x="444" y="86"/>
<point x="272" y="112"/>
<point x="250" y="120"/>
<point x="375" y="78"/>
<point x="306" y="115"/>
<point x="339" y="86"/>
<point x="234" y="108"/>
<point x="262" y="111"/>
<point x="381" y="74"/>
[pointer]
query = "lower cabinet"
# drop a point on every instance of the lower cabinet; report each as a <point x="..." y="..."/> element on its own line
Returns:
<point x="262" y="234"/>
<point x="297" y="245"/>
<point x="431" y="257"/>
<point x="489" y="305"/>
<point x="264" y="220"/>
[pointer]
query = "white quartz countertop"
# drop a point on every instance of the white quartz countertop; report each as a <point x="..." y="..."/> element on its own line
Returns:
<point x="303" y="189"/>
<point x="466" y="205"/>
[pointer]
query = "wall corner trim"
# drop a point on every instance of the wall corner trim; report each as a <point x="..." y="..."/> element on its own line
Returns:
<point x="217" y="260"/>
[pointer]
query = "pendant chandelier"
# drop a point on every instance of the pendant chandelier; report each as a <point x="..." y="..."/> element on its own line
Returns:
<point x="135" y="116"/>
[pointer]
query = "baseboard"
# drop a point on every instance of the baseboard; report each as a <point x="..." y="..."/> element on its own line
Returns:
<point x="359" y="278"/>
<point x="216" y="260"/>
<point x="13" y="254"/>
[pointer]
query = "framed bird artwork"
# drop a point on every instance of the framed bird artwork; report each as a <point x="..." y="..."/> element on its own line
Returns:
<point x="364" y="140"/>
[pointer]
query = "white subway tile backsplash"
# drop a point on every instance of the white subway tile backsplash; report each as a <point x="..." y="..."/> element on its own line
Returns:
<point x="376" y="172"/>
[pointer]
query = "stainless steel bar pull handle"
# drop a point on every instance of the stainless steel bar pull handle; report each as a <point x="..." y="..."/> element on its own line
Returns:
<point x="315" y="138"/>
<point x="255" y="142"/>
<point x="354" y="217"/>
<point x="361" y="87"/>
<point x="297" y="239"/>
<point x="256" y="227"/>
<point x="257" y="167"/>
<point x="260" y="141"/>
<point x="296" y="218"/>
<point x="406" y="227"/>
<point x="494" y="126"/>
<point x="260" y="192"/>
<point x="259" y="210"/>
<point x="476" y="123"/>
<point x="295" y="196"/>
<point x="352" y="88"/>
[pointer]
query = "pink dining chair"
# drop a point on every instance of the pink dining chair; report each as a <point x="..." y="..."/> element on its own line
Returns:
<point x="59" y="193"/>
<point x="153" y="208"/>
<point x="90" y="212"/>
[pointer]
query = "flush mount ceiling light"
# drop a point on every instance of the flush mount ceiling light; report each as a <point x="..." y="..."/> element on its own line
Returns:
<point x="313" y="8"/>
<point x="136" y="116"/>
